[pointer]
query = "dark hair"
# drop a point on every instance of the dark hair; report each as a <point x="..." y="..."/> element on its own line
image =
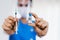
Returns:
<point x="31" y="1"/>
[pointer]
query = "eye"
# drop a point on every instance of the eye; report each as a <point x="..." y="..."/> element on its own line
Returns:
<point x="26" y="5"/>
<point x="20" y="5"/>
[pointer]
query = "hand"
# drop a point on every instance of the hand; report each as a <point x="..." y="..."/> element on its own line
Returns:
<point x="9" y="25"/>
<point x="39" y="22"/>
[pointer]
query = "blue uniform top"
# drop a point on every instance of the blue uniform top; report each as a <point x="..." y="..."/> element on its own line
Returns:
<point x="25" y="32"/>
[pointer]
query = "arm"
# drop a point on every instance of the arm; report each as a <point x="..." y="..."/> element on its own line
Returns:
<point x="40" y="25"/>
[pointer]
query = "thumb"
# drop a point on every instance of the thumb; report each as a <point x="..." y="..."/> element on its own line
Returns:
<point x="32" y="24"/>
<point x="16" y="19"/>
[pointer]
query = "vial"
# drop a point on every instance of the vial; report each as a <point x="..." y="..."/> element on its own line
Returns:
<point x="30" y="18"/>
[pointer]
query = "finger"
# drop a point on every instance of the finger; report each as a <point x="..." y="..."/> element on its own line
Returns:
<point x="16" y="19"/>
<point x="5" y="27"/>
<point x="12" y="18"/>
<point x="38" y="20"/>
<point x="39" y="25"/>
<point x="32" y="24"/>
<point x="10" y="32"/>
<point x="34" y="15"/>
<point x="8" y="24"/>
<point x="44" y="24"/>
<point x="9" y="21"/>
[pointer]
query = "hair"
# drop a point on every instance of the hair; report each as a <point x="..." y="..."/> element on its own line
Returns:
<point x="31" y="2"/>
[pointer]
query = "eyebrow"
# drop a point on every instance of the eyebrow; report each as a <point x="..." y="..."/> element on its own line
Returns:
<point x="22" y="5"/>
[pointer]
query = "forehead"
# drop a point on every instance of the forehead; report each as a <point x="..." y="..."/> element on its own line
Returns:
<point x="23" y="1"/>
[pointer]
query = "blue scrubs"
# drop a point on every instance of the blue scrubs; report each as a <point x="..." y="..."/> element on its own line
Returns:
<point x="25" y="32"/>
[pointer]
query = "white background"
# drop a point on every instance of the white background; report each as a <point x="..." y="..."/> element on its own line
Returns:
<point x="47" y="9"/>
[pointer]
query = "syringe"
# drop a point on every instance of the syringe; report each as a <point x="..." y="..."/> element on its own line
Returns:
<point x="16" y="23"/>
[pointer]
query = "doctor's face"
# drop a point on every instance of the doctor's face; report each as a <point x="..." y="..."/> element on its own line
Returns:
<point x="24" y="7"/>
<point x="23" y="3"/>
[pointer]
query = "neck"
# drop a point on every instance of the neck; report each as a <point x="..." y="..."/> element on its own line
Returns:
<point x="24" y="20"/>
